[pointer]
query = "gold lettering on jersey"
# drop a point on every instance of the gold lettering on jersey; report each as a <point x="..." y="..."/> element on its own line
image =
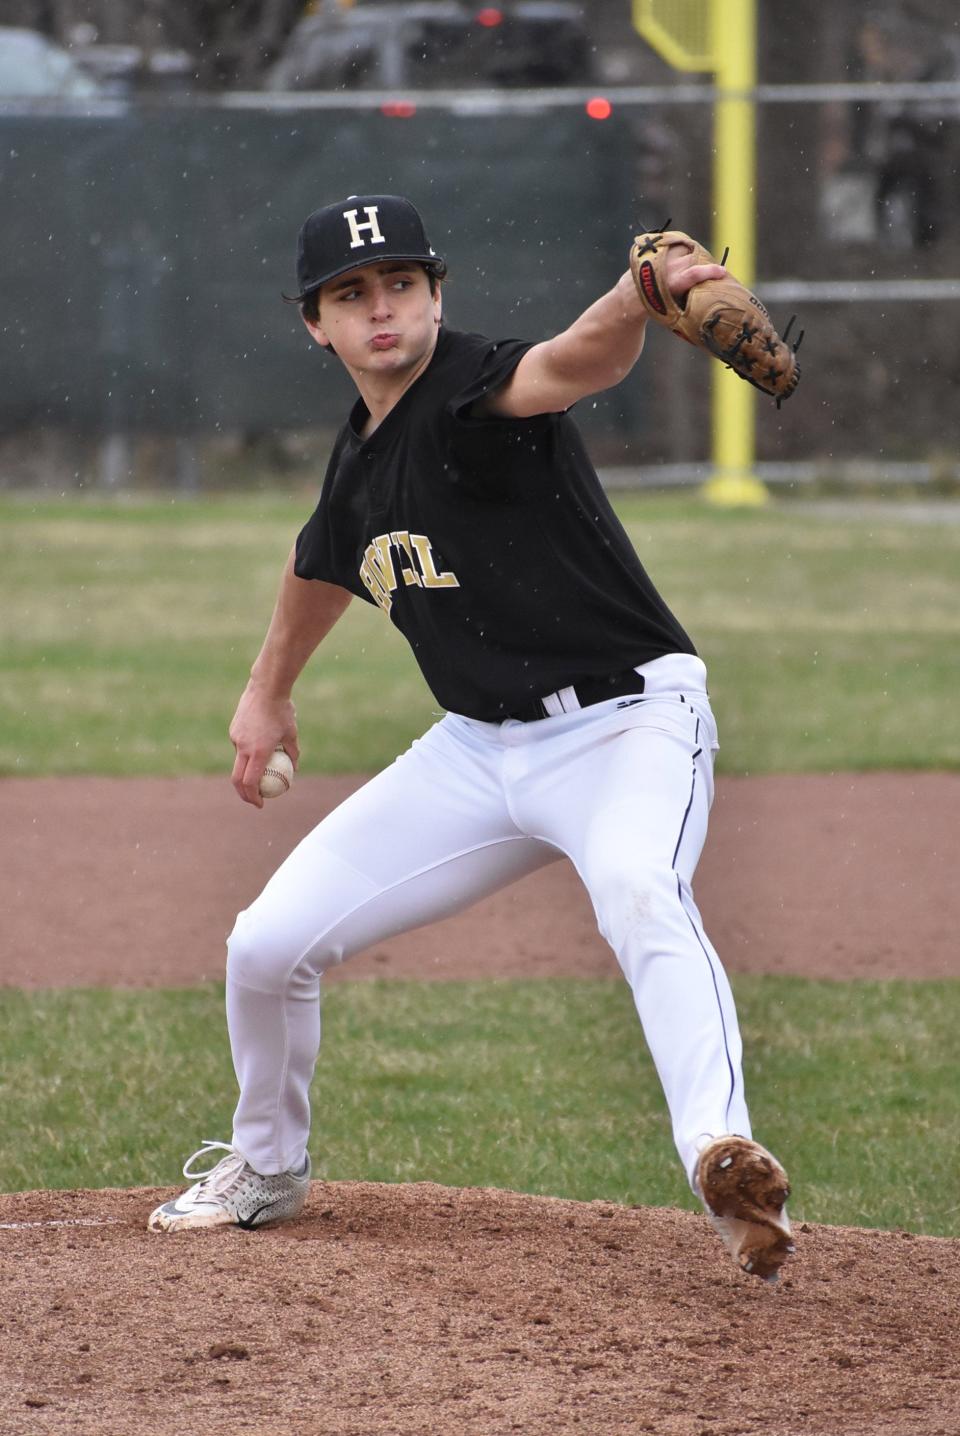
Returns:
<point x="376" y="571"/>
<point x="401" y="540"/>
<point x="414" y="558"/>
<point x="379" y="556"/>
<point x="372" y="581"/>
<point x="431" y="579"/>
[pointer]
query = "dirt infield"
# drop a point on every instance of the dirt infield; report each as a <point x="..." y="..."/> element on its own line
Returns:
<point x="137" y="882"/>
<point x="427" y="1311"/>
<point x="419" y="1310"/>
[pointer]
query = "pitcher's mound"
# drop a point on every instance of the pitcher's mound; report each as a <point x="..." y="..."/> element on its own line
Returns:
<point x="423" y="1310"/>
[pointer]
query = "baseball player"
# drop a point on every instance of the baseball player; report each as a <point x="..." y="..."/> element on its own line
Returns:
<point x="460" y="500"/>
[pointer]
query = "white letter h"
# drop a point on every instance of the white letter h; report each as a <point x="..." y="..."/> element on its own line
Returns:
<point x="356" y="238"/>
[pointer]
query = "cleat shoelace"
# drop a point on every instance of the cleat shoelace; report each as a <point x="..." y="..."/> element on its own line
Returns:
<point x="219" y="1180"/>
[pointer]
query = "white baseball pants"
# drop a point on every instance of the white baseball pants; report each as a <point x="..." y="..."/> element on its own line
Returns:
<point x="623" y="789"/>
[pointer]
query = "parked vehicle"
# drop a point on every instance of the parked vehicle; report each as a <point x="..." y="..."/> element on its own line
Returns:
<point x="31" y="66"/>
<point x="439" y="44"/>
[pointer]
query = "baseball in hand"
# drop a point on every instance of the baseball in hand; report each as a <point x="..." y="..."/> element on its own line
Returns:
<point x="277" y="775"/>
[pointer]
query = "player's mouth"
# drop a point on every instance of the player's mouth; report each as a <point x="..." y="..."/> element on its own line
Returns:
<point x="384" y="341"/>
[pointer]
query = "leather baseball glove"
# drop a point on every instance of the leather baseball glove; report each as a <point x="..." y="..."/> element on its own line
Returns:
<point x="719" y="315"/>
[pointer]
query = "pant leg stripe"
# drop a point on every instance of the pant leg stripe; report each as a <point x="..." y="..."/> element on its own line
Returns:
<point x="713" y="976"/>
<point x="697" y="935"/>
<point x="693" y="784"/>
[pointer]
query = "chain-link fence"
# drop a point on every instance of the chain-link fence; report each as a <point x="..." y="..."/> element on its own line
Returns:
<point x="144" y="247"/>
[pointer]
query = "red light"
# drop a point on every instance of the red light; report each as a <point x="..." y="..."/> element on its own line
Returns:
<point x="598" y="108"/>
<point x="398" y="109"/>
<point x="489" y="16"/>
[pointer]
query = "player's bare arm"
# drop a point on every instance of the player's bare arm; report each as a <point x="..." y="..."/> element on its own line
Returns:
<point x="305" y="611"/>
<point x="597" y="351"/>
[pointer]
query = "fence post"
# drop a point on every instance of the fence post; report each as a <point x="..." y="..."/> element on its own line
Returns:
<point x="733" y="481"/>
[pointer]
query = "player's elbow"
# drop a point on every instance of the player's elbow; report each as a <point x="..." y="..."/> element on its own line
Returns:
<point x="582" y="369"/>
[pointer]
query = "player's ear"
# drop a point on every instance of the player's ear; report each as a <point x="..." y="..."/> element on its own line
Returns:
<point x="437" y="303"/>
<point x="316" y="331"/>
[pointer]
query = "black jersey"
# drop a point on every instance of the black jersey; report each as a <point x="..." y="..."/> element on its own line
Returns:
<point x="489" y="542"/>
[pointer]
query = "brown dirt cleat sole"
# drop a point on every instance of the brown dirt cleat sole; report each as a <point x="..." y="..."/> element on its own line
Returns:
<point x="744" y="1189"/>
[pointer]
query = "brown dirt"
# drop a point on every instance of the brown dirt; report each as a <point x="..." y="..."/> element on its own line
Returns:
<point x="137" y="882"/>
<point x="425" y="1309"/>
<point x="437" y="1312"/>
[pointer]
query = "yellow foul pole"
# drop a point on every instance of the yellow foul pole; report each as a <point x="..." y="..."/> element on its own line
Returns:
<point x="734" y="45"/>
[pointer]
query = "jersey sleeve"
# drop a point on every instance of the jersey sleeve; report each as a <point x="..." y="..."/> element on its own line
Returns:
<point x="490" y="445"/>
<point x="315" y="556"/>
<point x="494" y="365"/>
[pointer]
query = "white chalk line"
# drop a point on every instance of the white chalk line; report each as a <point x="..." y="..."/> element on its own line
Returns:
<point x="61" y="1222"/>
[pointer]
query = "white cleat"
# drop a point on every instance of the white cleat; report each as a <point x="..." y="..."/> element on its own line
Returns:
<point x="232" y="1193"/>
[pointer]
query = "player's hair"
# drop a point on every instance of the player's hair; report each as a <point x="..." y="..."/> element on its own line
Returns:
<point x="435" y="272"/>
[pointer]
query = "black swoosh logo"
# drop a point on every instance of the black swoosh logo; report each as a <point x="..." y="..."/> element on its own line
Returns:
<point x="248" y="1223"/>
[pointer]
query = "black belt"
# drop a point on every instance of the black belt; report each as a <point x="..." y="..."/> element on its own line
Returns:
<point x="588" y="691"/>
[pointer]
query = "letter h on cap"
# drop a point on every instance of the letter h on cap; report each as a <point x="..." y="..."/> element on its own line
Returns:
<point x="356" y="238"/>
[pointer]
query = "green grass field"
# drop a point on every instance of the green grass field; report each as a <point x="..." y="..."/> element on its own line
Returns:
<point x="126" y="632"/>
<point x="535" y="1086"/>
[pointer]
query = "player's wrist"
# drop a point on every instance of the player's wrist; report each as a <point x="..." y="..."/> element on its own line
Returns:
<point x="626" y="292"/>
<point x="270" y="686"/>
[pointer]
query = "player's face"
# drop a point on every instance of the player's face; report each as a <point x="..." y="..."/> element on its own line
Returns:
<point x="380" y="318"/>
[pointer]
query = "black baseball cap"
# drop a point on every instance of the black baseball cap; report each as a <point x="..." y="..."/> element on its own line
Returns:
<point x="363" y="229"/>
